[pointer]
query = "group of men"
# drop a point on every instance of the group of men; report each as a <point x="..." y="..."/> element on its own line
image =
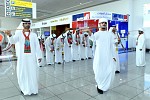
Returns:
<point x="105" y="61"/>
<point x="74" y="46"/>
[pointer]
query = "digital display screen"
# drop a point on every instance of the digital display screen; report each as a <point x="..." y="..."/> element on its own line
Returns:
<point x="47" y="33"/>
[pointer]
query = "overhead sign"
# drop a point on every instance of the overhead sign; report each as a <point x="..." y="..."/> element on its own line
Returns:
<point x="146" y="15"/>
<point x="53" y="22"/>
<point x="78" y="17"/>
<point x="100" y="14"/>
<point x="18" y="9"/>
<point x="86" y="15"/>
<point x="21" y="3"/>
<point x="146" y="9"/>
<point x="81" y="16"/>
<point x="118" y="17"/>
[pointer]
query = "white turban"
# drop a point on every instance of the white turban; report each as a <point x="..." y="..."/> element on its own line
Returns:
<point x="141" y="29"/>
<point x="26" y="20"/>
<point x="53" y="35"/>
<point x="71" y="30"/>
<point x="85" y="33"/>
<point x="103" y="20"/>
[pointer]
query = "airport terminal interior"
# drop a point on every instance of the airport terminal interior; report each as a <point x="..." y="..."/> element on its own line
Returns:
<point x="74" y="79"/>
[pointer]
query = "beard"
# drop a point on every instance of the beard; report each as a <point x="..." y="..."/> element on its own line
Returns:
<point x="27" y="27"/>
<point x="104" y="27"/>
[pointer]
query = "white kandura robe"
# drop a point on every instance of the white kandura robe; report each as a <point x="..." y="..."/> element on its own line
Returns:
<point x="93" y="48"/>
<point x="67" y="50"/>
<point x="27" y="65"/>
<point x="49" y="47"/>
<point x="115" y="46"/>
<point x="58" y="53"/>
<point x="82" y="47"/>
<point x="89" y="53"/>
<point x="140" y="55"/>
<point x="42" y="63"/>
<point x="75" y="49"/>
<point x="103" y="63"/>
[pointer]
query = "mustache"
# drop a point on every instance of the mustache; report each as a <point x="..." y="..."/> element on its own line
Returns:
<point x="27" y="27"/>
<point x="104" y="27"/>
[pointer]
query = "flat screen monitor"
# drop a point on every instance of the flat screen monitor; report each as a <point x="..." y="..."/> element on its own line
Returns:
<point x="47" y="33"/>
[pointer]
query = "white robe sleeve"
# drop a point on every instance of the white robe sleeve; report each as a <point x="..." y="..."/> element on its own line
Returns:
<point x="74" y="39"/>
<point x="116" y="39"/>
<point x="141" y="41"/>
<point x="88" y="41"/>
<point x="92" y="37"/>
<point x="57" y="43"/>
<point x="47" y="41"/>
<point x="66" y="41"/>
<point x="15" y="38"/>
<point x="112" y="45"/>
<point x="37" y="46"/>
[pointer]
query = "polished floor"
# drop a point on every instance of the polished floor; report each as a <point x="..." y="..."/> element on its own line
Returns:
<point x="75" y="81"/>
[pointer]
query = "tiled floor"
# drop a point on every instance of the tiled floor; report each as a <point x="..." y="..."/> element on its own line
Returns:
<point x="75" y="81"/>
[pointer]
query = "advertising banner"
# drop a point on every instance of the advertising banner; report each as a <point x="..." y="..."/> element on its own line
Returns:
<point x="117" y="17"/>
<point x="100" y="14"/>
<point x="78" y="17"/>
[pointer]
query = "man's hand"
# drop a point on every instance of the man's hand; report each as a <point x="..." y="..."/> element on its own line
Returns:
<point x="89" y="32"/>
<point x="119" y="40"/>
<point x="8" y="33"/>
<point x="128" y="33"/>
<point x="77" y="44"/>
<point x="114" y="59"/>
<point x="51" y="50"/>
<point x="39" y="60"/>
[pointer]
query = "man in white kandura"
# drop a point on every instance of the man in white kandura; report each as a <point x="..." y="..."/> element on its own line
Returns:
<point x="29" y="53"/>
<point x="140" y="49"/>
<point x="75" y="46"/>
<point x="50" y="47"/>
<point x="115" y="46"/>
<point x="88" y="47"/>
<point x="67" y="46"/>
<point x="83" y="45"/>
<point x="58" y="49"/>
<point x="104" y="61"/>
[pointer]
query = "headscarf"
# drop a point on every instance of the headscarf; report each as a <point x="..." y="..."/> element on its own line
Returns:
<point x="103" y="20"/>
<point x="53" y="35"/>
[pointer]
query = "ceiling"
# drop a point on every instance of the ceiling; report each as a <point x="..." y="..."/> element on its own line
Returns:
<point x="51" y="8"/>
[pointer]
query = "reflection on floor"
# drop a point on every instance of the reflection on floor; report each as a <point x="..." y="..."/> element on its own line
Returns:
<point x="75" y="81"/>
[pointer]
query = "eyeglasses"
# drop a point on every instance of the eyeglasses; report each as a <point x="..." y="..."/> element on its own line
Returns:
<point x="27" y="23"/>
